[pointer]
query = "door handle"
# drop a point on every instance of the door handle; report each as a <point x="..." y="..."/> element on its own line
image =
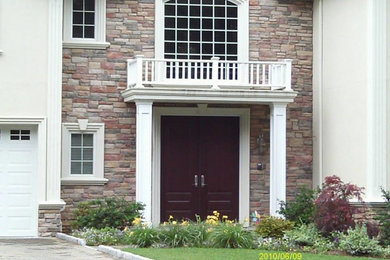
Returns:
<point x="196" y="181"/>
<point x="202" y="184"/>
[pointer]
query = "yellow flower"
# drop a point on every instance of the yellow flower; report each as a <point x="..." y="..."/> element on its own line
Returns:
<point x="224" y="217"/>
<point x="170" y="217"/>
<point x="126" y="228"/>
<point x="174" y="222"/>
<point x="165" y="223"/>
<point x="215" y="212"/>
<point x="131" y="233"/>
<point x="136" y="221"/>
<point x="184" y="223"/>
<point x="210" y="230"/>
<point x="246" y="220"/>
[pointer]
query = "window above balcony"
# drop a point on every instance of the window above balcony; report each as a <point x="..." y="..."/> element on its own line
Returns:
<point x="202" y="29"/>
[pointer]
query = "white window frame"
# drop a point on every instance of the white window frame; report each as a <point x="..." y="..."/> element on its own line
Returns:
<point x="99" y="42"/>
<point x="83" y="127"/>
<point x="242" y="28"/>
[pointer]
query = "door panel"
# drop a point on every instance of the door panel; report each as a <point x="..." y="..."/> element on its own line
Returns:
<point x="220" y="161"/>
<point x="206" y="147"/>
<point x="179" y="158"/>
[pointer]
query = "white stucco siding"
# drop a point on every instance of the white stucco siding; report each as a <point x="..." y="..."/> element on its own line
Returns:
<point x="388" y="96"/>
<point x="23" y="64"/>
<point x="340" y="90"/>
<point x="344" y="90"/>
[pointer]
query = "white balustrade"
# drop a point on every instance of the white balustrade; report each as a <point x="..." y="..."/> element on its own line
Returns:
<point x="214" y="73"/>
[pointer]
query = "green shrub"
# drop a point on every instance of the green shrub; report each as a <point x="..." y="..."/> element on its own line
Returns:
<point x="357" y="242"/>
<point x="273" y="227"/>
<point x="308" y="237"/>
<point x="304" y="235"/>
<point x="141" y="236"/>
<point x="174" y="235"/>
<point x="384" y="219"/>
<point x="301" y="211"/>
<point x="229" y="235"/>
<point x="105" y="236"/>
<point x="274" y="244"/>
<point x="197" y="233"/>
<point x="109" y="212"/>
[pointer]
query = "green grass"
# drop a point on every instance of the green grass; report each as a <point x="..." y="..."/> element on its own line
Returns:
<point x="224" y="254"/>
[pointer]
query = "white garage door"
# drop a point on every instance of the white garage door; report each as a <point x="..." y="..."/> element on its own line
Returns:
<point x="18" y="179"/>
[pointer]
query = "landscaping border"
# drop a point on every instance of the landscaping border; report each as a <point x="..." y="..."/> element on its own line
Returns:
<point x="104" y="249"/>
<point x="120" y="254"/>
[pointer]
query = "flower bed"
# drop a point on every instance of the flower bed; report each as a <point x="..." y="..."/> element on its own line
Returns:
<point x="310" y="235"/>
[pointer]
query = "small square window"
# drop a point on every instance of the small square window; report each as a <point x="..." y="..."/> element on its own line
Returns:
<point x="81" y="154"/>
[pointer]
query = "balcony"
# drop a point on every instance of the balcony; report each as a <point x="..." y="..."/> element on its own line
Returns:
<point x="213" y="81"/>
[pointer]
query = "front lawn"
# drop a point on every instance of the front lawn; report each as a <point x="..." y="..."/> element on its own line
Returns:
<point x="226" y="254"/>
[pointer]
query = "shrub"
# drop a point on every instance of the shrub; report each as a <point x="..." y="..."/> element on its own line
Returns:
<point x="109" y="212"/>
<point x="332" y="209"/>
<point x="278" y="244"/>
<point x="141" y="236"/>
<point x="231" y="235"/>
<point x="384" y="219"/>
<point x="308" y="237"/>
<point x="105" y="236"/>
<point x="273" y="227"/>
<point x="198" y="233"/>
<point x="174" y="234"/>
<point x="357" y="242"/>
<point x="304" y="235"/>
<point x="301" y="211"/>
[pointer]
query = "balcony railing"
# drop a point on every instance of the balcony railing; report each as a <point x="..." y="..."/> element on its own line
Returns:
<point x="214" y="74"/>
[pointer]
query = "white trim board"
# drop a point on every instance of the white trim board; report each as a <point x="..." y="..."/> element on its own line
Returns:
<point x="244" y="157"/>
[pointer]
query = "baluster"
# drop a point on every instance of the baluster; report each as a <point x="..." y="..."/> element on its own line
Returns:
<point x="269" y="74"/>
<point x="257" y="74"/>
<point x="251" y="73"/>
<point x="201" y="70"/>
<point x="196" y="70"/>
<point x="170" y="69"/>
<point x="152" y="70"/>
<point x="146" y="70"/>
<point x="263" y="76"/>
<point x="234" y="68"/>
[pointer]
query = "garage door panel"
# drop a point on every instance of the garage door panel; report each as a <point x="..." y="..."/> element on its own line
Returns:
<point x="20" y="178"/>
<point x="18" y="202"/>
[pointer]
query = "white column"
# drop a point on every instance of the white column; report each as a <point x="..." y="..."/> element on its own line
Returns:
<point x="376" y="100"/>
<point x="277" y="156"/>
<point x="144" y="157"/>
<point x="53" y="191"/>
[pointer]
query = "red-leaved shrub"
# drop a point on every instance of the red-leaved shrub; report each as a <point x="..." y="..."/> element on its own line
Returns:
<point x="332" y="209"/>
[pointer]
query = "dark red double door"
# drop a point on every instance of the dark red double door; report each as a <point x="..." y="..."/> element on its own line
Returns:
<point x="199" y="166"/>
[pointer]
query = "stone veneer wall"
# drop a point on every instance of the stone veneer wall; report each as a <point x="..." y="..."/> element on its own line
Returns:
<point x="49" y="222"/>
<point x="94" y="79"/>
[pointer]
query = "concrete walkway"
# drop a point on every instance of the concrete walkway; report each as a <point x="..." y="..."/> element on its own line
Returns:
<point x="46" y="249"/>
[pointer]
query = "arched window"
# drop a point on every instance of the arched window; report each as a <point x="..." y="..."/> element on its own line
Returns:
<point x="201" y="29"/>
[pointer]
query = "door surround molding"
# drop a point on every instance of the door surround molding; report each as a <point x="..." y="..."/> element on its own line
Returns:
<point x="244" y="151"/>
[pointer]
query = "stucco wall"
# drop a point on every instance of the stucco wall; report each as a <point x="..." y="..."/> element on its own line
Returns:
<point x="23" y="65"/>
<point x="388" y="95"/>
<point x="340" y="89"/>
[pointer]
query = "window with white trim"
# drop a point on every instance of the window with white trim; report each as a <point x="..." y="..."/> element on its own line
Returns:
<point x="83" y="153"/>
<point x="84" y="24"/>
<point x="200" y="29"/>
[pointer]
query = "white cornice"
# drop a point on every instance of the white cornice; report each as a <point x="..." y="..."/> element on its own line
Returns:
<point x="209" y="96"/>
